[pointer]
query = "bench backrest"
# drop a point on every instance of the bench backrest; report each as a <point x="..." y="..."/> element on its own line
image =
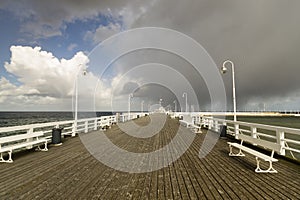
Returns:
<point x="264" y="143"/>
<point x="15" y="138"/>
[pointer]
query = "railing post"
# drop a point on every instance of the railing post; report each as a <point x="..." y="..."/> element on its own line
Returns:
<point x="86" y="129"/>
<point x="280" y="140"/>
<point x="207" y="121"/>
<point x="210" y="124"/>
<point x="30" y="131"/>
<point x="253" y="132"/>
<point x="236" y="130"/>
<point x="95" y="124"/>
<point x="74" y="129"/>
<point x="216" y="125"/>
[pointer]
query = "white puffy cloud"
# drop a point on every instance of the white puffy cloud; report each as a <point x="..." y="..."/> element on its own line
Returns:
<point x="43" y="78"/>
<point x="41" y="71"/>
<point x="47" y="83"/>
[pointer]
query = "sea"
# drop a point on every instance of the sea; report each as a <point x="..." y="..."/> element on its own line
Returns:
<point x="24" y="118"/>
<point x="285" y="121"/>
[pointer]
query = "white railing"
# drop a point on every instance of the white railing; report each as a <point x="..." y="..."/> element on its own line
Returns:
<point x="288" y="138"/>
<point x="69" y="127"/>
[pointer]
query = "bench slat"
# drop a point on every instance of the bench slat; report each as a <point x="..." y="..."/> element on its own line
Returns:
<point x="253" y="152"/>
<point x="25" y="144"/>
<point x="14" y="138"/>
<point x="267" y="144"/>
<point x="22" y="145"/>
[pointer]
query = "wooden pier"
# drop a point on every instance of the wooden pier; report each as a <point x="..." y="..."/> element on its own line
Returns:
<point x="70" y="172"/>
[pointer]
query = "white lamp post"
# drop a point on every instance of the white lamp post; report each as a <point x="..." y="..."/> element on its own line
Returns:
<point x="160" y="100"/>
<point x="129" y="102"/>
<point x="186" y="104"/>
<point x="142" y="106"/>
<point x="175" y="102"/>
<point x="84" y="71"/>
<point x="223" y="71"/>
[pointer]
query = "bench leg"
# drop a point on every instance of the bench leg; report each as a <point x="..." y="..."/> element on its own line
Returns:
<point x="42" y="149"/>
<point x="9" y="160"/>
<point x="198" y="130"/>
<point x="269" y="170"/>
<point x="240" y="153"/>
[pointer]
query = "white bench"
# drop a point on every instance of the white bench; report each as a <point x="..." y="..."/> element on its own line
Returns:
<point x="187" y="121"/>
<point x="10" y="143"/>
<point x="197" y="129"/>
<point x="258" y="155"/>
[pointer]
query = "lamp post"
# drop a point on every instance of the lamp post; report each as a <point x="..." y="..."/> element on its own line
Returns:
<point x="175" y="102"/>
<point x="129" y="102"/>
<point x="142" y="106"/>
<point x="223" y="71"/>
<point x="84" y="72"/>
<point x="186" y="104"/>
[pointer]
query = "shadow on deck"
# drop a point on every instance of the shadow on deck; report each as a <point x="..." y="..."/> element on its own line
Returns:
<point x="70" y="172"/>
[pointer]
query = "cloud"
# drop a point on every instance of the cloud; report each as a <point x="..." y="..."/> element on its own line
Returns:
<point x="43" y="19"/>
<point x="47" y="83"/>
<point x="103" y="32"/>
<point x="43" y="78"/>
<point x="42" y="71"/>
<point x="261" y="38"/>
<point x="72" y="46"/>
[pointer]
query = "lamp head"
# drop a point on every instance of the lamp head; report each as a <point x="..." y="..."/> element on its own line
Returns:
<point x="223" y="69"/>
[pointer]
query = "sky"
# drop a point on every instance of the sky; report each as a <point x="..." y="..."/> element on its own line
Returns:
<point x="46" y="44"/>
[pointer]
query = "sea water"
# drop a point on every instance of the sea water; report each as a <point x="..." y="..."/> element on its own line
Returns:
<point x="24" y="118"/>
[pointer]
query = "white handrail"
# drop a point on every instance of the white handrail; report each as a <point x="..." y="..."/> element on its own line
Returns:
<point x="83" y="124"/>
<point x="288" y="138"/>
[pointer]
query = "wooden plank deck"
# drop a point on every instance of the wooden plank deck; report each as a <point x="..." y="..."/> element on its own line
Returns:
<point x="70" y="172"/>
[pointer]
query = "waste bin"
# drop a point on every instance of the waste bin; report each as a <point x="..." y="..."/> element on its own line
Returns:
<point x="56" y="136"/>
<point x="223" y="130"/>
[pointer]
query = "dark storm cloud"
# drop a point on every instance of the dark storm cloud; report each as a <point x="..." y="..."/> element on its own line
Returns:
<point x="261" y="37"/>
<point x="44" y="19"/>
